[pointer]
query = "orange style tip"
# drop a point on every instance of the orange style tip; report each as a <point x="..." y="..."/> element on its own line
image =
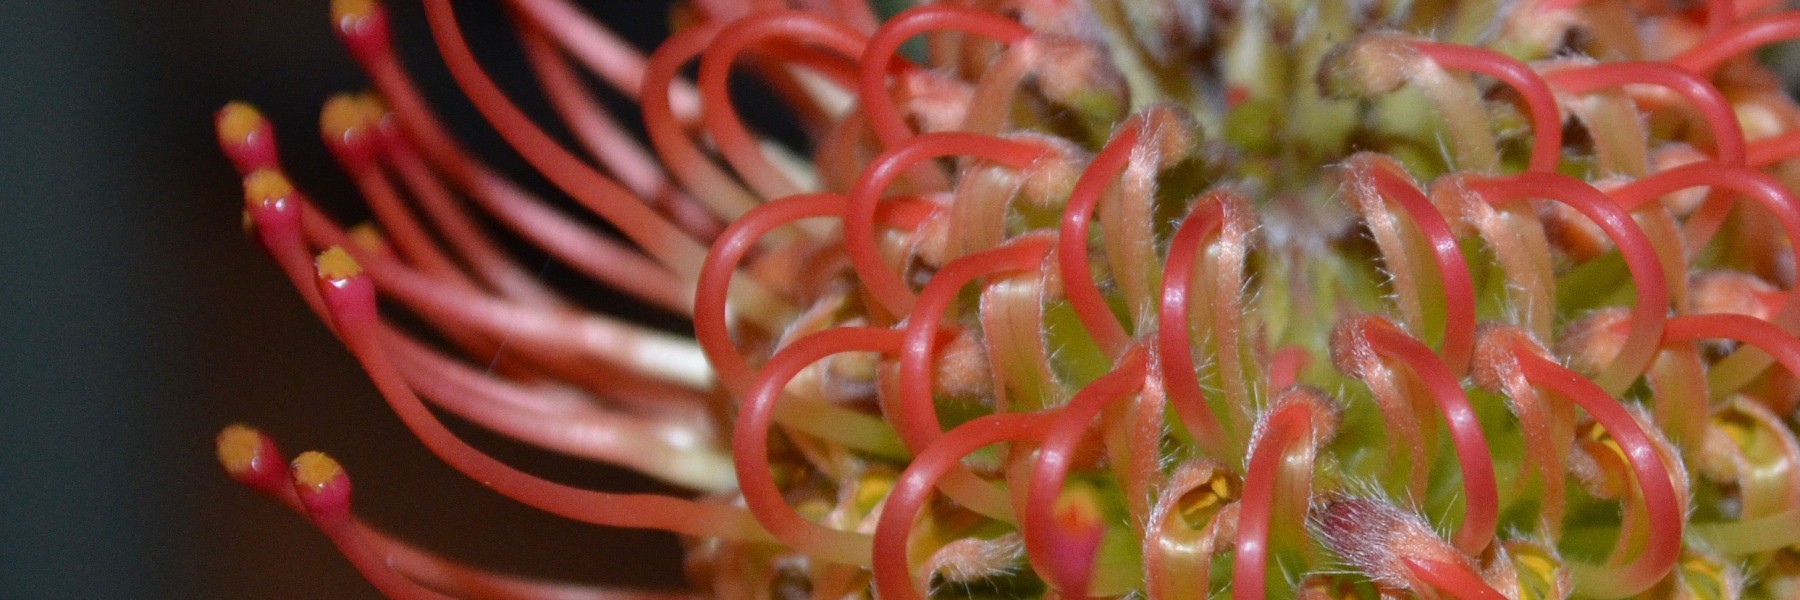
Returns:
<point x="242" y="449"/>
<point x="336" y="264"/>
<point x="264" y="187"/>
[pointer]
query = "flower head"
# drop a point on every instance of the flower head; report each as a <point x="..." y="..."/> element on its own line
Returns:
<point x="1090" y="299"/>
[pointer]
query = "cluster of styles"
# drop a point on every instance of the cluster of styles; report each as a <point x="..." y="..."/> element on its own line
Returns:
<point x="1170" y="298"/>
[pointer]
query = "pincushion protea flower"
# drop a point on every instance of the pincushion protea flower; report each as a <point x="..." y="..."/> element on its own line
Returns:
<point x="1086" y="299"/>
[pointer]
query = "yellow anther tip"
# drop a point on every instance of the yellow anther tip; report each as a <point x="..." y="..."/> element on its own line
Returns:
<point x="372" y="105"/>
<point x="352" y="9"/>
<point x="316" y="469"/>
<point x="336" y="263"/>
<point x="238" y="121"/>
<point x="264" y="185"/>
<point x="342" y="115"/>
<point x="367" y="236"/>
<point x="239" y="446"/>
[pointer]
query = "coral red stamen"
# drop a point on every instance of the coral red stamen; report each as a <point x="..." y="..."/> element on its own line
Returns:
<point x="1540" y="103"/>
<point x="861" y="243"/>
<point x="916" y="420"/>
<point x="1728" y="136"/>
<point x="1763" y="335"/>
<point x="1044" y="538"/>
<point x="1750" y="182"/>
<point x="712" y="326"/>
<point x="1293" y="424"/>
<point x="1390" y="181"/>
<point x="1739" y="39"/>
<point x="1650" y="311"/>
<point x="1480" y="488"/>
<point x="893" y="575"/>
<point x="750" y="442"/>
<point x="878" y="106"/>
<point x="1173" y="345"/>
<point x="595" y="191"/>
<point x="721" y="117"/>
<point x="1661" y="506"/>
<point x="350" y="298"/>
<point x="324" y="490"/>
<point x="1072" y="240"/>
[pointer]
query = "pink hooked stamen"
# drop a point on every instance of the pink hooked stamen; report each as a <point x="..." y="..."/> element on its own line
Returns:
<point x="609" y="143"/>
<point x="1650" y="312"/>
<point x="352" y="138"/>
<point x="1748" y="181"/>
<point x="1176" y="352"/>
<point x="712" y="326"/>
<point x="323" y="490"/>
<point x="861" y="243"/>
<point x="595" y="255"/>
<point x="1391" y="183"/>
<point x="349" y="296"/>
<point x="1480" y="488"/>
<point x="1728" y="135"/>
<point x="1546" y="121"/>
<point x="667" y="129"/>
<point x="916" y="418"/>
<point x="1661" y="506"/>
<point x="1072" y="240"/>
<point x="246" y="137"/>
<point x="877" y="60"/>
<point x="593" y="190"/>
<point x="1738" y="39"/>
<point x="1292" y="424"/>
<point x="720" y="116"/>
<point x="603" y="52"/>
<point x="1065" y="556"/>
<point x="273" y="209"/>
<point x="750" y="442"/>
<point x="252" y="458"/>
<point x="1773" y="149"/>
<point x="893" y="575"/>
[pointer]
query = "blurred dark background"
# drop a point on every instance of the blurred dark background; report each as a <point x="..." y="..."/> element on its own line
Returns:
<point x="138" y="320"/>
